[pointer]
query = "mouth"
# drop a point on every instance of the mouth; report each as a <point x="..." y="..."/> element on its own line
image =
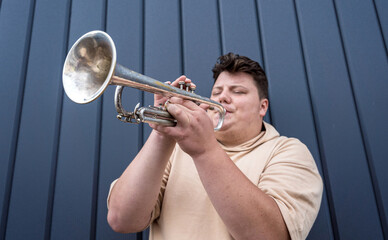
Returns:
<point x="228" y="110"/>
<point x="228" y="113"/>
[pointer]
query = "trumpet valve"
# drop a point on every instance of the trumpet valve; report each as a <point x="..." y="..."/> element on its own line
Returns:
<point x="192" y="88"/>
<point x="188" y="86"/>
<point x="181" y="83"/>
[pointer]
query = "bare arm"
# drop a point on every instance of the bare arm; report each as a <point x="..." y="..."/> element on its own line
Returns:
<point x="136" y="191"/>
<point x="247" y="212"/>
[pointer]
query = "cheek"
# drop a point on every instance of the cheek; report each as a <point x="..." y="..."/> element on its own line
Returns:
<point x="254" y="115"/>
<point x="251" y="112"/>
<point x="247" y="112"/>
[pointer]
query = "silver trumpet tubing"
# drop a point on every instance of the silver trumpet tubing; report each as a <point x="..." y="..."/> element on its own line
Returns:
<point x="90" y="66"/>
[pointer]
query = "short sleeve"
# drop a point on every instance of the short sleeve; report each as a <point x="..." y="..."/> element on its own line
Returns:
<point x="292" y="179"/>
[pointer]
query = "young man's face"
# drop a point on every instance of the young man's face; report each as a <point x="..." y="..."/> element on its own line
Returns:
<point x="239" y="95"/>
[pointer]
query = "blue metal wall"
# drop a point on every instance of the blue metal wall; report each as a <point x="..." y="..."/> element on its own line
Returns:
<point x="327" y="65"/>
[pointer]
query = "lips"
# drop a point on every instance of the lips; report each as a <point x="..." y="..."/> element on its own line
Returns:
<point x="228" y="109"/>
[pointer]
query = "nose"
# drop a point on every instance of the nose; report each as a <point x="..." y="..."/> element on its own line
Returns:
<point x="224" y="97"/>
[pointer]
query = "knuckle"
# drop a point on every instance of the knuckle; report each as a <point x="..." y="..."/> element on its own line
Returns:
<point x="197" y="118"/>
<point x="178" y="111"/>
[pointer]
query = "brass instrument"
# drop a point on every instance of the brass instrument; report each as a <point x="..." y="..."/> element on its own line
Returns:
<point x="90" y="66"/>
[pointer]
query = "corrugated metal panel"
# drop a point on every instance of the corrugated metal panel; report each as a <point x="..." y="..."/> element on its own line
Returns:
<point x="35" y="160"/>
<point x="79" y="145"/>
<point x="368" y="72"/>
<point x="120" y="142"/>
<point x="15" y="35"/>
<point x="289" y="89"/>
<point x="328" y="70"/>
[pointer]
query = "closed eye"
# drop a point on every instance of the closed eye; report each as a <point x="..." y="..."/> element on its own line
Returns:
<point x="239" y="91"/>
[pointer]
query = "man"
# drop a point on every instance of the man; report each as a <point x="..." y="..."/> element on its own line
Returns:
<point x="241" y="182"/>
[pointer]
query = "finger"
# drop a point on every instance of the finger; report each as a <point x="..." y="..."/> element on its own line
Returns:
<point x="179" y="79"/>
<point x="189" y="104"/>
<point x="184" y="80"/>
<point x="172" y="132"/>
<point x="180" y="113"/>
<point x="159" y="99"/>
<point x="189" y="85"/>
<point x="193" y="86"/>
<point x="204" y="106"/>
<point x="175" y="100"/>
<point x="159" y="127"/>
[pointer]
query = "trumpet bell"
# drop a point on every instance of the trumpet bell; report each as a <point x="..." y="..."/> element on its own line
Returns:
<point x="89" y="67"/>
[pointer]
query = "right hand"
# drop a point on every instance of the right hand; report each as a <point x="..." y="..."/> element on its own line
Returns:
<point x="159" y="100"/>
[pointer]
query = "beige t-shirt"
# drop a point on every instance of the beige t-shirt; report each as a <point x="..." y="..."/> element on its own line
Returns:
<point x="281" y="167"/>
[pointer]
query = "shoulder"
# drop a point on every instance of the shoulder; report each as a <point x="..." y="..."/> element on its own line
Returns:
<point x="292" y="151"/>
<point x="289" y="149"/>
<point x="290" y="145"/>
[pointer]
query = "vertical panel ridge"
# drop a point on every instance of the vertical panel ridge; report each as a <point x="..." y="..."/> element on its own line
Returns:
<point x="268" y="116"/>
<point x="97" y="158"/>
<point x="54" y="164"/>
<point x="96" y="170"/>
<point x="324" y="167"/>
<point x="381" y="33"/>
<point x="220" y="28"/>
<point x="141" y="137"/>
<point x="142" y="63"/>
<point x="368" y="156"/>
<point x="259" y="34"/>
<point x="375" y="183"/>
<point x="18" y="113"/>
<point x="142" y="67"/>
<point x="182" y="40"/>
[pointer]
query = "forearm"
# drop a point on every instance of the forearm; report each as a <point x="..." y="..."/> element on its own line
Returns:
<point x="136" y="191"/>
<point x="247" y="212"/>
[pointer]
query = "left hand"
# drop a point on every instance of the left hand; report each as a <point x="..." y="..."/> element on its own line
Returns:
<point x="194" y="131"/>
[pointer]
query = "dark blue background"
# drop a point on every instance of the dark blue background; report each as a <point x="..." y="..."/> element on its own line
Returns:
<point x="326" y="62"/>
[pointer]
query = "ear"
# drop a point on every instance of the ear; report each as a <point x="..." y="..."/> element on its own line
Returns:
<point x="263" y="107"/>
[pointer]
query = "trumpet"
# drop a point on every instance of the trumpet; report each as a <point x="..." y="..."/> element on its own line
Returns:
<point x="90" y="67"/>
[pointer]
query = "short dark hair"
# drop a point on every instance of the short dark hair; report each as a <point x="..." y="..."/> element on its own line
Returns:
<point x="234" y="63"/>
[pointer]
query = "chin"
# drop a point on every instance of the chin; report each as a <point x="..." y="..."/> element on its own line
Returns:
<point x="225" y="132"/>
<point x="225" y="127"/>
